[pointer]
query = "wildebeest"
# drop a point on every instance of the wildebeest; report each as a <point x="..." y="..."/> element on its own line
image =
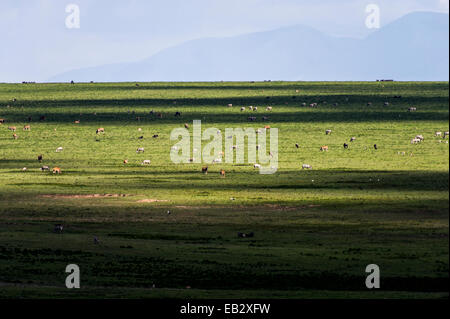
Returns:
<point x="100" y="130"/>
<point x="375" y="146"/>
<point x="145" y="162"/>
<point x="58" y="228"/>
<point x="40" y="158"/>
<point x="205" y="169"/>
<point x="177" y="114"/>
<point x="306" y="166"/>
<point x="56" y="170"/>
<point x="345" y="145"/>
<point x="140" y="137"/>
<point x="155" y="135"/>
<point x="296" y="145"/>
<point x="222" y="173"/>
<point x="244" y="235"/>
<point x="324" y="148"/>
<point x="140" y="150"/>
<point x="251" y="118"/>
<point x="327" y="132"/>
<point x="27" y="128"/>
<point x="42" y="118"/>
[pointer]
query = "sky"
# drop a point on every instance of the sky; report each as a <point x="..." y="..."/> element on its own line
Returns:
<point x="36" y="43"/>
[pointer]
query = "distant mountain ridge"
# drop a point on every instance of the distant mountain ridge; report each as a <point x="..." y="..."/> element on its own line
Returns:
<point x="414" y="47"/>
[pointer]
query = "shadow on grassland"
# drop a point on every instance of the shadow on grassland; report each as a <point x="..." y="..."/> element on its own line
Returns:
<point x="366" y="180"/>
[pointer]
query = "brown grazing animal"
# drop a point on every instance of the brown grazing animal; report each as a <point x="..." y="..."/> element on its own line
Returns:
<point x="125" y="161"/>
<point x="324" y="148"/>
<point x="12" y="128"/>
<point x="2" y="121"/>
<point x="77" y="122"/>
<point x="222" y="173"/>
<point x="15" y="136"/>
<point x="27" y="128"/>
<point x="40" y="158"/>
<point x="186" y="125"/>
<point x="101" y="129"/>
<point x="56" y="170"/>
<point x="267" y="127"/>
<point x="205" y="169"/>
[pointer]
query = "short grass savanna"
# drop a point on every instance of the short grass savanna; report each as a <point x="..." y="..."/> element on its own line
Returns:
<point x="171" y="226"/>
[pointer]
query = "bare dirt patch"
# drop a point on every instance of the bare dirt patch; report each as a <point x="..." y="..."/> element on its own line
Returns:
<point x="84" y="196"/>
<point x="151" y="200"/>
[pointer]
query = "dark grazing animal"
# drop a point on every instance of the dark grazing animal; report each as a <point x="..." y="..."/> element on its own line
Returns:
<point x="205" y="169"/>
<point x="245" y="235"/>
<point x="40" y="158"/>
<point x="345" y="145"/>
<point x="58" y="228"/>
<point x="375" y="146"/>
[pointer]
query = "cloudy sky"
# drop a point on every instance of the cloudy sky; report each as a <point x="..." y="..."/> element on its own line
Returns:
<point x="36" y="43"/>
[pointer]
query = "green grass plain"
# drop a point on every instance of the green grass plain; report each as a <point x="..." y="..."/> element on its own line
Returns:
<point x="315" y="230"/>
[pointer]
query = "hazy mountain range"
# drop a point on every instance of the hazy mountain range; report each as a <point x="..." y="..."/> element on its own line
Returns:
<point x="414" y="47"/>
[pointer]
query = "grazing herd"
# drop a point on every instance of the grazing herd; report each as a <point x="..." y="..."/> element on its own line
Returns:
<point x="324" y="148"/>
